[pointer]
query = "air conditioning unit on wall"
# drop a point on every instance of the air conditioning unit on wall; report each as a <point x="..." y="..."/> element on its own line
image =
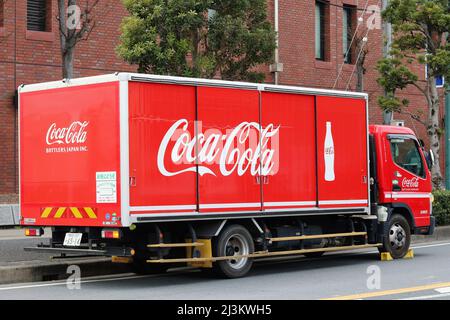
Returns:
<point x="398" y="123"/>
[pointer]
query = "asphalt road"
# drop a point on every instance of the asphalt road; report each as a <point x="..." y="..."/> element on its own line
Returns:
<point x="12" y="242"/>
<point x="356" y="275"/>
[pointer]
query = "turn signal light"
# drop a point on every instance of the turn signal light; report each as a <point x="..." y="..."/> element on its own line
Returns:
<point x="111" y="234"/>
<point x="34" y="232"/>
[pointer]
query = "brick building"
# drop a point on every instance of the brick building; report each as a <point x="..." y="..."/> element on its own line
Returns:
<point x="312" y="43"/>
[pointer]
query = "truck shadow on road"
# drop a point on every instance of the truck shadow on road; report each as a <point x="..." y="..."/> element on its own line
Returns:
<point x="267" y="269"/>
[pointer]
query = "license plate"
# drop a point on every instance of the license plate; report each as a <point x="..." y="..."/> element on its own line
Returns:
<point x="73" y="239"/>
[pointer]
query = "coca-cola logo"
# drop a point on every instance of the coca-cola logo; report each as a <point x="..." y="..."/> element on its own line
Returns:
<point x="239" y="150"/>
<point x="410" y="183"/>
<point x="75" y="133"/>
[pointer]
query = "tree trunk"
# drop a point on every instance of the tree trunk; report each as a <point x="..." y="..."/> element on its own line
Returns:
<point x="434" y="132"/>
<point x="360" y="78"/>
<point x="67" y="58"/>
<point x="66" y="36"/>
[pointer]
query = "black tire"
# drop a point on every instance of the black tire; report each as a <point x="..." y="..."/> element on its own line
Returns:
<point x="397" y="238"/>
<point x="237" y="240"/>
<point x="314" y="254"/>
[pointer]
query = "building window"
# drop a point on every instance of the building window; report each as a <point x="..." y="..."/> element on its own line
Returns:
<point x="2" y="4"/>
<point x="320" y="28"/>
<point x="38" y="15"/>
<point x="348" y="28"/>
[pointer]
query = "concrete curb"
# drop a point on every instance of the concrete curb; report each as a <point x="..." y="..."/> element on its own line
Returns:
<point x="440" y="234"/>
<point x="32" y="271"/>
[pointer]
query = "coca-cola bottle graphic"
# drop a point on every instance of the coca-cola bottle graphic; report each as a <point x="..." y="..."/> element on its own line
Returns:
<point x="329" y="154"/>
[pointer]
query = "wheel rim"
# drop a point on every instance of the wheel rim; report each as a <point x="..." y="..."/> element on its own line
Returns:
<point x="236" y="245"/>
<point x="397" y="236"/>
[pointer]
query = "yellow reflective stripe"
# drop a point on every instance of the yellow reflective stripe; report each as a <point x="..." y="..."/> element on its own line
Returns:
<point x="90" y="213"/>
<point x="76" y="212"/>
<point x="59" y="212"/>
<point x="46" y="212"/>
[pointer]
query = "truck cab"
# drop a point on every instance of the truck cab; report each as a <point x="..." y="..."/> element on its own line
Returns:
<point x="400" y="185"/>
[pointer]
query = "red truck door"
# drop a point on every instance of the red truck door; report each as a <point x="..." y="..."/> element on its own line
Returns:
<point x="407" y="176"/>
<point x="162" y="173"/>
<point x="292" y="181"/>
<point x="228" y="163"/>
<point x="342" y="152"/>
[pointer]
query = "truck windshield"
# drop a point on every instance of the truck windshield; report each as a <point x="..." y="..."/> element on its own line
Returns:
<point x="406" y="154"/>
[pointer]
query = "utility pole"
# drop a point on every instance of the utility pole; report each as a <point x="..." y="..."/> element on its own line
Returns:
<point x="277" y="67"/>
<point x="387" y="42"/>
<point x="447" y="138"/>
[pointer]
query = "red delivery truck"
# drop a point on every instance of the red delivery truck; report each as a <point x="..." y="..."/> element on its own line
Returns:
<point x="164" y="171"/>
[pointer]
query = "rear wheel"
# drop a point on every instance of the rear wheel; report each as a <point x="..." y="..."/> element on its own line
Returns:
<point x="234" y="240"/>
<point x="398" y="237"/>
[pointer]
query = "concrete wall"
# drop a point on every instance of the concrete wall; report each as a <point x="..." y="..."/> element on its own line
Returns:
<point x="9" y="214"/>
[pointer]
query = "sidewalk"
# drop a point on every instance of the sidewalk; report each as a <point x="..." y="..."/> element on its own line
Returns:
<point x="440" y="234"/>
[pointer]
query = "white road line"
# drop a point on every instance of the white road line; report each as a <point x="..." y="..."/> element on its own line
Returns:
<point x="412" y="247"/>
<point x="64" y="282"/>
<point x="432" y="296"/>
<point x="105" y="279"/>
<point x="443" y="290"/>
<point x="431" y="245"/>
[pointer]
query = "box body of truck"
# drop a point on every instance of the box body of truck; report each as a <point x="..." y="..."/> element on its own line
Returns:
<point x="149" y="160"/>
<point x="117" y="151"/>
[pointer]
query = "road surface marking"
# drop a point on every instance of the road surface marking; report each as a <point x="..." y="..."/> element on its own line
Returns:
<point x="431" y="245"/>
<point x="432" y="296"/>
<point x="104" y="279"/>
<point x="63" y="282"/>
<point x="443" y="290"/>
<point x="391" y="292"/>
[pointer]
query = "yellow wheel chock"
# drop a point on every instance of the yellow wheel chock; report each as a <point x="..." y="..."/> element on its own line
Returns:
<point x="386" y="256"/>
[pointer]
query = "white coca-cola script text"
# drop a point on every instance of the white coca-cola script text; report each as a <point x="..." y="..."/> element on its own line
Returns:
<point x="410" y="183"/>
<point x="238" y="150"/>
<point x="72" y="134"/>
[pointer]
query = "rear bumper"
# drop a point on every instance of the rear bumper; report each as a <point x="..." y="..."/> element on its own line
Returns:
<point x="427" y="231"/>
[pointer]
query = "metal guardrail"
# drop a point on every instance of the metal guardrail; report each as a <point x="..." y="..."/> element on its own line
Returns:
<point x="9" y="215"/>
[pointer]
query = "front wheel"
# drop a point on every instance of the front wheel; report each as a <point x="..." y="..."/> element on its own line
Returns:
<point x="398" y="237"/>
<point x="234" y="240"/>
